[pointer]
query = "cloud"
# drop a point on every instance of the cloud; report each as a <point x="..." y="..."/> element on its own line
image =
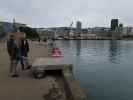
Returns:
<point x="46" y="13"/>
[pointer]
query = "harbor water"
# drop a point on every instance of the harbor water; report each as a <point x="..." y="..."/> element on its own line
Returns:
<point x="103" y="67"/>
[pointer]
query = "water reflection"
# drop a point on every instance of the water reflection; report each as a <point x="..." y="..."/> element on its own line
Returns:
<point x="66" y="44"/>
<point x="78" y="47"/>
<point x="104" y="69"/>
<point x="114" y="51"/>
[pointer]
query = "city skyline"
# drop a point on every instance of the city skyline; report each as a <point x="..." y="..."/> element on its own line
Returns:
<point x="51" y="13"/>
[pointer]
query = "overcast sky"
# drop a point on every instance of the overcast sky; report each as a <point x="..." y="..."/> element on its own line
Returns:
<point x="50" y="13"/>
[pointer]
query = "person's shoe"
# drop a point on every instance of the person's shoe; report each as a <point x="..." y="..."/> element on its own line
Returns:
<point x="15" y="75"/>
<point x="29" y="67"/>
<point x="22" y="67"/>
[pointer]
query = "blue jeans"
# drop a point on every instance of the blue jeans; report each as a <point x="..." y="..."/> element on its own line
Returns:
<point x="24" y="62"/>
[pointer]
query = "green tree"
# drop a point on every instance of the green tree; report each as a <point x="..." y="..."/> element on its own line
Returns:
<point x="30" y="32"/>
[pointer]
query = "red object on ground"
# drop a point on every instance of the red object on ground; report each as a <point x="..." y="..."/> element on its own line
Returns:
<point x="56" y="52"/>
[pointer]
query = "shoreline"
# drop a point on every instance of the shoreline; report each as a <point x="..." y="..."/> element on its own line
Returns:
<point x="92" y="39"/>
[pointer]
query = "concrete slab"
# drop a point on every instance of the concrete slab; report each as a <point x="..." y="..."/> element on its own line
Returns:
<point x="50" y="63"/>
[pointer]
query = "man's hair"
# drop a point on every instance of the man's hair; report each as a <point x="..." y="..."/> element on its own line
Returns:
<point x="11" y="36"/>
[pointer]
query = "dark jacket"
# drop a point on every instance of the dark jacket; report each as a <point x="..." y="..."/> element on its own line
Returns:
<point x="24" y="48"/>
<point x="27" y="46"/>
<point x="13" y="50"/>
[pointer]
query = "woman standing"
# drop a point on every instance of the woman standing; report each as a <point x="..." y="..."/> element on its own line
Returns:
<point x="24" y="48"/>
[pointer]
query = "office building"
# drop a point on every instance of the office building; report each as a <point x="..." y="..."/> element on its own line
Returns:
<point x="114" y="24"/>
<point x="79" y="26"/>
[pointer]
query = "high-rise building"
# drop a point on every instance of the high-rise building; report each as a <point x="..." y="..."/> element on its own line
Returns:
<point x="114" y="24"/>
<point x="79" y="26"/>
<point x="121" y="25"/>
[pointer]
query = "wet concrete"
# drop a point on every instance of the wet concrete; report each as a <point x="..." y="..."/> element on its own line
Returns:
<point x="25" y="87"/>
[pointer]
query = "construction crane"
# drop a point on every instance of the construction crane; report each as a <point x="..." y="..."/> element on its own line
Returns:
<point x="70" y="31"/>
<point x="71" y="24"/>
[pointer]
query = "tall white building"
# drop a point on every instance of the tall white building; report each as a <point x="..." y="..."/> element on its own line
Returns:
<point x="79" y="27"/>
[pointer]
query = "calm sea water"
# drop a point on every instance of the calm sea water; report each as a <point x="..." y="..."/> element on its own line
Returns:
<point x="104" y="68"/>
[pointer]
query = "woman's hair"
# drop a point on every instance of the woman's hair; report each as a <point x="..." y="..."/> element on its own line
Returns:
<point x="22" y="42"/>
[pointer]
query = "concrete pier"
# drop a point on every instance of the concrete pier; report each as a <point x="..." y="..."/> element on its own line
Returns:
<point x="26" y="87"/>
<point x="70" y="86"/>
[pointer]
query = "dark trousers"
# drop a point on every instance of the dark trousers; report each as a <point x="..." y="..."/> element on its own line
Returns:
<point x="13" y="66"/>
<point x="22" y="63"/>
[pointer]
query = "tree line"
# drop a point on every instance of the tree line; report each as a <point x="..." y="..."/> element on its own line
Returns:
<point x="31" y="33"/>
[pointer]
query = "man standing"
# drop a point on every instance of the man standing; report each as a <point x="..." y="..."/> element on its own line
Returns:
<point x="14" y="55"/>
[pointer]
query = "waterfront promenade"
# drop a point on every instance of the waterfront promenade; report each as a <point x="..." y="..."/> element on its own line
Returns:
<point x="24" y="87"/>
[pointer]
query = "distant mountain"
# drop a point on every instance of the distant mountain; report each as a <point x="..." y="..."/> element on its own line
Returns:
<point x="7" y="27"/>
